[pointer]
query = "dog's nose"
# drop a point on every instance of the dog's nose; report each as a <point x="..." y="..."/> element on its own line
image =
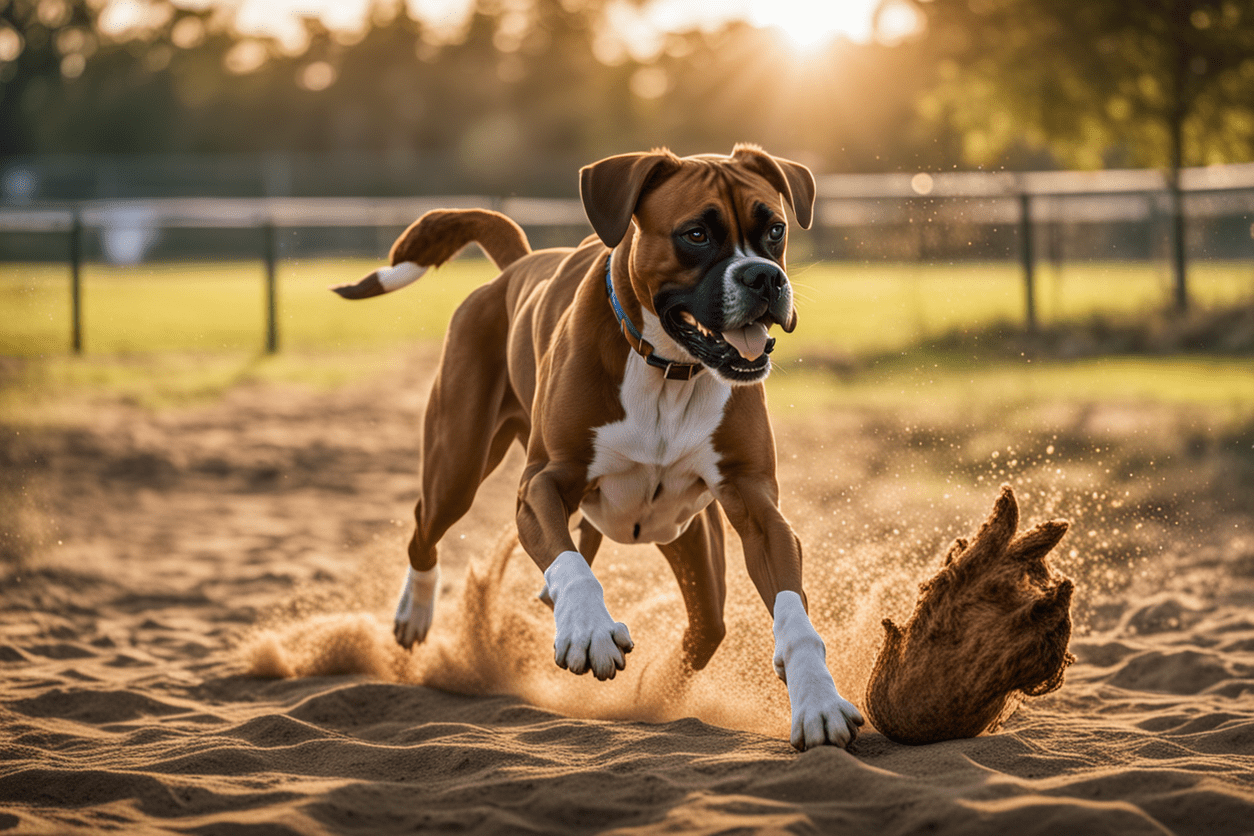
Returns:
<point x="765" y="278"/>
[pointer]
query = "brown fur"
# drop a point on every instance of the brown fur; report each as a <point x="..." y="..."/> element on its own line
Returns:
<point x="991" y="627"/>
<point x="439" y="234"/>
<point x="536" y="357"/>
<point x="577" y="390"/>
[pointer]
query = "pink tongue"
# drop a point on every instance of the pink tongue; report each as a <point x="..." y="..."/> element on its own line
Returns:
<point x="750" y="341"/>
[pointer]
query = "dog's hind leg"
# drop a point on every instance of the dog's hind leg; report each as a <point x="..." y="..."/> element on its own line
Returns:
<point x="472" y="418"/>
<point x="696" y="558"/>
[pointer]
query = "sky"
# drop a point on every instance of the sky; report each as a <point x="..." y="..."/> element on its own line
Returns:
<point x="808" y="23"/>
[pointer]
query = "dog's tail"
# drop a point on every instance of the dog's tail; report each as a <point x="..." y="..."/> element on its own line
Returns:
<point x="435" y="238"/>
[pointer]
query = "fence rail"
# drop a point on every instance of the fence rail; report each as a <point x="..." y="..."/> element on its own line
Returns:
<point x="1018" y="201"/>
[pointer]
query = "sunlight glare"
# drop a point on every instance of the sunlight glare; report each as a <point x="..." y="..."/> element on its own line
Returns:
<point x="808" y="24"/>
<point x="811" y="23"/>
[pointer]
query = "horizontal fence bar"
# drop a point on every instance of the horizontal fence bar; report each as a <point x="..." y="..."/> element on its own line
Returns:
<point x="1035" y="183"/>
<point x="845" y="200"/>
<point x="247" y="213"/>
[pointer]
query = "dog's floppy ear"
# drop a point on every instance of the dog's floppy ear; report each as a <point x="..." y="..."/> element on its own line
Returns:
<point x="611" y="188"/>
<point x="793" y="180"/>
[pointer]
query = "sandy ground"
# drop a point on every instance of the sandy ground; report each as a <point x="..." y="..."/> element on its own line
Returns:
<point x="195" y="633"/>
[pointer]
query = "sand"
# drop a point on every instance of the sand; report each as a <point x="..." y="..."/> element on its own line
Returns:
<point x="195" y="633"/>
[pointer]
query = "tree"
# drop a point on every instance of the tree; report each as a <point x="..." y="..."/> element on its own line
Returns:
<point x="1163" y="83"/>
<point x="528" y="92"/>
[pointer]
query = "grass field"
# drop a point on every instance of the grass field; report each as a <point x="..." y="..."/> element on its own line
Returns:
<point x="844" y="307"/>
<point x="220" y="307"/>
<point x="172" y="332"/>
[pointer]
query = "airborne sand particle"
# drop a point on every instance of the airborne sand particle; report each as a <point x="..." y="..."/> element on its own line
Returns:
<point x="867" y="546"/>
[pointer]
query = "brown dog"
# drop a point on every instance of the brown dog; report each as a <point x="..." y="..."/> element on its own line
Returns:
<point x="631" y="369"/>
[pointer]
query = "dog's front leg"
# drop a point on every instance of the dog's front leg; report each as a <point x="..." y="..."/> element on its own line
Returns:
<point x="820" y="715"/>
<point x="587" y="638"/>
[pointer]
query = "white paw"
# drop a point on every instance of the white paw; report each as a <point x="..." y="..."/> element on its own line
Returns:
<point x="820" y="715"/>
<point x="416" y="607"/>
<point x="587" y="638"/>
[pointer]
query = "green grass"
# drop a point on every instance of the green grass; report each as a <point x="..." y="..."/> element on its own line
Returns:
<point x="170" y="333"/>
<point x="846" y="307"/>
<point x="863" y="308"/>
<point x="1222" y="386"/>
<point x="220" y="307"/>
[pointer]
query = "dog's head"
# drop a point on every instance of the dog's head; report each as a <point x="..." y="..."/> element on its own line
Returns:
<point x="708" y="253"/>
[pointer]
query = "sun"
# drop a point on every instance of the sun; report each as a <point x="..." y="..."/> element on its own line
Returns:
<point x="811" y="23"/>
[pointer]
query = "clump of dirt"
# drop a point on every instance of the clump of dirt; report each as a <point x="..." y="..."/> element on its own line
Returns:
<point x="989" y="628"/>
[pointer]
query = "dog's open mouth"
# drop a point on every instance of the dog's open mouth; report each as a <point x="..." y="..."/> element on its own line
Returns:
<point x="739" y="353"/>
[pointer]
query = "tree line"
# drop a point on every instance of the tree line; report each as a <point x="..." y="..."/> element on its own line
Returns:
<point x="515" y="102"/>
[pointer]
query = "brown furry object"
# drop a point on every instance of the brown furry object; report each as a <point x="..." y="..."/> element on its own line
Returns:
<point x="989" y="628"/>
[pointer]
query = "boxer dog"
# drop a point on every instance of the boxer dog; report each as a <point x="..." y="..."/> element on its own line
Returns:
<point x="630" y="368"/>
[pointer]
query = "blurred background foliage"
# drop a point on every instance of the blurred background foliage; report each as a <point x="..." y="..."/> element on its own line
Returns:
<point x="520" y="94"/>
<point x="1146" y="83"/>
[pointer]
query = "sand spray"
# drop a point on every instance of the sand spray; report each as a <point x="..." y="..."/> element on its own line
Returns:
<point x="492" y="635"/>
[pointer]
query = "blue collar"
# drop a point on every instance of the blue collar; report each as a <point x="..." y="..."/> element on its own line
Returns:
<point x="671" y="370"/>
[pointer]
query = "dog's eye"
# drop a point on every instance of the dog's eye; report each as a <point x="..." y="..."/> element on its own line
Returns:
<point x="776" y="233"/>
<point x="696" y="236"/>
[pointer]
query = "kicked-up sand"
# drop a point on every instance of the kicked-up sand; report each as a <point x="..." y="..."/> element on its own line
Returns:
<point x="195" y="633"/>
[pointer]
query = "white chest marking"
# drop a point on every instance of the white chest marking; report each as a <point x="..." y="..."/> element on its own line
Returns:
<point x="652" y="472"/>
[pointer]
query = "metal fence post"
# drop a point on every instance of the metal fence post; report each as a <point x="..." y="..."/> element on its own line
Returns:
<point x="271" y="256"/>
<point x="76" y="284"/>
<point x="1179" y="244"/>
<point x="1028" y="257"/>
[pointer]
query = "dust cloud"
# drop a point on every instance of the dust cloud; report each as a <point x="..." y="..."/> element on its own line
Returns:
<point x="868" y="546"/>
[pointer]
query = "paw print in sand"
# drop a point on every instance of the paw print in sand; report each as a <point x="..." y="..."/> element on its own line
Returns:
<point x="991" y="627"/>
